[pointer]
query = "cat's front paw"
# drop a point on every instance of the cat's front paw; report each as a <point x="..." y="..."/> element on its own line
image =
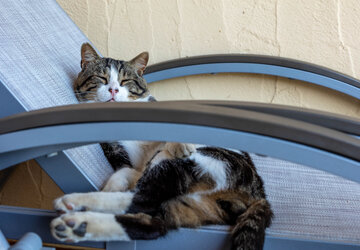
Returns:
<point x="69" y="227"/>
<point x="180" y="150"/>
<point x="122" y="180"/>
<point x="82" y="226"/>
<point x="69" y="202"/>
<point x="116" y="185"/>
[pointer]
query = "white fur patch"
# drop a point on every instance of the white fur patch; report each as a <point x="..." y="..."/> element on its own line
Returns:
<point x="215" y="168"/>
<point x="134" y="150"/>
<point x="123" y="94"/>
<point x="195" y="196"/>
<point x="103" y="94"/>
<point x="114" y="77"/>
<point x="145" y="99"/>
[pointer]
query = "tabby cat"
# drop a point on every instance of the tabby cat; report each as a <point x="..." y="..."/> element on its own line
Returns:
<point x="159" y="186"/>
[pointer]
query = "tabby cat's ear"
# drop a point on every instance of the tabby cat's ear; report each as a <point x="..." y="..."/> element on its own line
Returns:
<point x="140" y="62"/>
<point x="88" y="54"/>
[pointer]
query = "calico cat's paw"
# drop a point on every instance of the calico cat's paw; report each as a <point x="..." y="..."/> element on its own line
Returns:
<point x="122" y="180"/>
<point x="69" y="227"/>
<point x="69" y="202"/>
<point x="75" y="227"/>
<point x="180" y="150"/>
<point x="113" y="185"/>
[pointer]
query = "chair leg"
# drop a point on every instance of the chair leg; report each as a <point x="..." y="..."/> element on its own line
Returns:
<point x="3" y="242"/>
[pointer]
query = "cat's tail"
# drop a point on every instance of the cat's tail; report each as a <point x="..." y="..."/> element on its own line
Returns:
<point x="249" y="231"/>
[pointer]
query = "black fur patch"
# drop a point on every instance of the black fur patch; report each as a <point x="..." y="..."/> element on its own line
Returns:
<point x="169" y="179"/>
<point x="227" y="207"/>
<point x="116" y="155"/>
<point x="139" y="229"/>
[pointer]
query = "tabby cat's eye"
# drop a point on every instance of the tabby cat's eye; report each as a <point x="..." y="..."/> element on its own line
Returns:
<point x="125" y="81"/>
<point x="103" y="79"/>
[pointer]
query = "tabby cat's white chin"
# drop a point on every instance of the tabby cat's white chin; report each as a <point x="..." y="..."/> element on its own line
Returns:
<point x="145" y="99"/>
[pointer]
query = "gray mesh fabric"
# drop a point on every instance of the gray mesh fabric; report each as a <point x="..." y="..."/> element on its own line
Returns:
<point x="39" y="59"/>
<point x="309" y="203"/>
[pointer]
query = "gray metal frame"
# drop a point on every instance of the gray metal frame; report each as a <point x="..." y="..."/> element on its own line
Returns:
<point x="50" y="165"/>
<point x="43" y="132"/>
<point x="261" y="144"/>
<point x="337" y="122"/>
<point x="257" y="64"/>
<point x="60" y="165"/>
<point x="214" y="68"/>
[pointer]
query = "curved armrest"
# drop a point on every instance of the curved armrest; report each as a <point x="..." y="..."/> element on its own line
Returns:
<point x="209" y="114"/>
<point x="337" y="122"/>
<point x="187" y="121"/>
<point x="258" y="64"/>
<point x="28" y="135"/>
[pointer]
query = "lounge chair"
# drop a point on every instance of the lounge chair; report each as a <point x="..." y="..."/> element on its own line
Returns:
<point x="314" y="189"/>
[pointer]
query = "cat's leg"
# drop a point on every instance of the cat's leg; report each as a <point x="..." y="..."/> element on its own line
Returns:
<point x="106" y="202"/>
<point x="122" y="180"/>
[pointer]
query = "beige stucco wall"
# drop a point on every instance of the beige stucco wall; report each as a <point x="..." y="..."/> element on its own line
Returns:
<point x="325" y="32"/>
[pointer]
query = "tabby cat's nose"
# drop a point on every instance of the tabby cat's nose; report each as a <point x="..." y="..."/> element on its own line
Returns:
<point x="113" y="91"/>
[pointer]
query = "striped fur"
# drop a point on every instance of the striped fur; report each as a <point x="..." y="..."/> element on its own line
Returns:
<point x="161" y="186"/>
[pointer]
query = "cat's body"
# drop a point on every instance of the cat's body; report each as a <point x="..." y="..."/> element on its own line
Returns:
<point x="159" y="186"/>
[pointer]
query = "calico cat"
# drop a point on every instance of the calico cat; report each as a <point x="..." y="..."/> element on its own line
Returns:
<point x="159" y="186"/>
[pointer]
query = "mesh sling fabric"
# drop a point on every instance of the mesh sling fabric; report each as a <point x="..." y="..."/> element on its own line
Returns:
<point x="39" y="60"/>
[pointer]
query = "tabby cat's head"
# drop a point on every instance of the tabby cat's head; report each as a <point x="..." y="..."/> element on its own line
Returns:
<point x="109" y="80"/>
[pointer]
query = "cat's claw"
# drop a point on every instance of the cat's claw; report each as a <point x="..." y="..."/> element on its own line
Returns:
<point x="180" y="150"/>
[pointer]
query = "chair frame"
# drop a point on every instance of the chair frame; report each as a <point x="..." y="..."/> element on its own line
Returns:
<point x="239" y="125"/>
